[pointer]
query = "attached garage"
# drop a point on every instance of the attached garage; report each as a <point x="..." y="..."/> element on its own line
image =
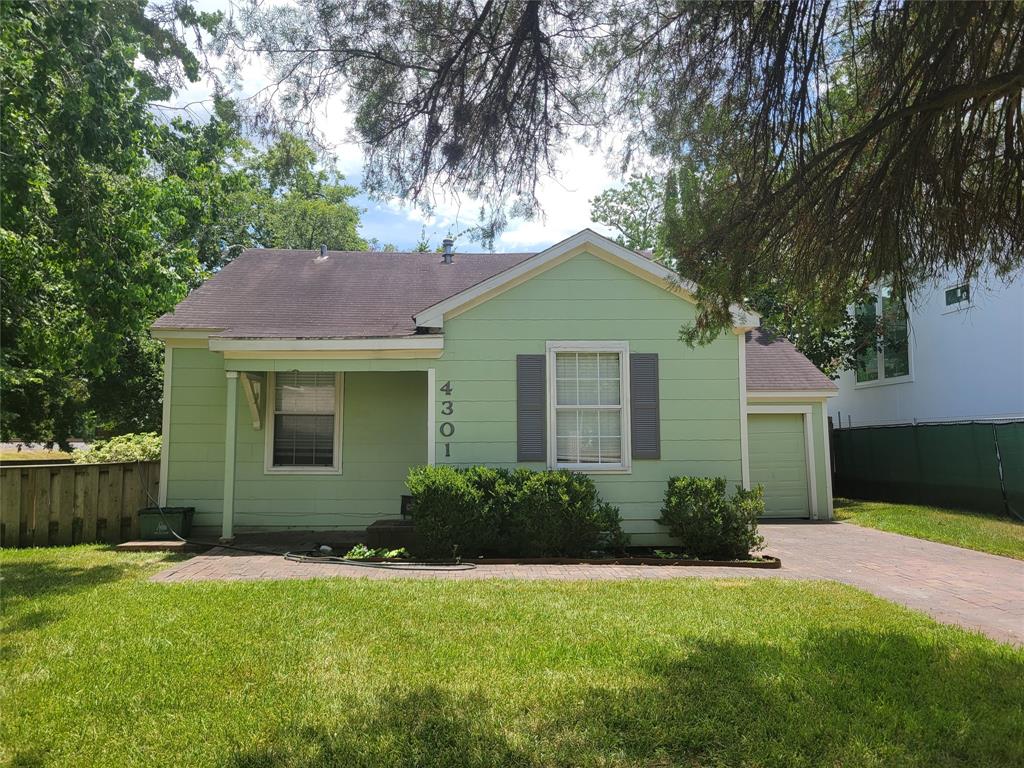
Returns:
<point x="785" y="439"/>
<point x="780" y="461"/>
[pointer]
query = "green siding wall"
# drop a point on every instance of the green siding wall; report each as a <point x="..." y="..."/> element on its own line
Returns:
<point x="195" y="473"/>
<point x="384" y="432"/>
<point x="384" y="422"/>
<point x="583" y="299"/>
<point x="822" y="460"/>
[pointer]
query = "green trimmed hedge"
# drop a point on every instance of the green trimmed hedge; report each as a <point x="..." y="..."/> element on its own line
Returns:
<point x="483" y="511"/>
<point x="709" y="525"/>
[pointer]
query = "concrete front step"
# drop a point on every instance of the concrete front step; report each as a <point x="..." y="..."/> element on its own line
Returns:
<point x="159" y="546"/>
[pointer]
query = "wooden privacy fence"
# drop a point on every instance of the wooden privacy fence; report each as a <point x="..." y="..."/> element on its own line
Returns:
<point x="46" y="505"/>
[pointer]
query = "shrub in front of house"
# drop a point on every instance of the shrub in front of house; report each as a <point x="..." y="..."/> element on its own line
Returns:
<point x="142" y="446"/>
<point x="449" y="511"/>
<point x="483" y="511"/>
<point x="709" y="524"/>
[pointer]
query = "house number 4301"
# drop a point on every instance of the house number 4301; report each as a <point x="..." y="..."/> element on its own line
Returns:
<point x="447" y="428"/>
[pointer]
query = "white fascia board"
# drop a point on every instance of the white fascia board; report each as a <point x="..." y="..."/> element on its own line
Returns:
<point x="807" y="394"/>
<point x="425" y="342"/>
<point x="433" y="316"/>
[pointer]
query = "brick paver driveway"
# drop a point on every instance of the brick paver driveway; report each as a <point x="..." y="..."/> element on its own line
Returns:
<point x="957" y="586"/>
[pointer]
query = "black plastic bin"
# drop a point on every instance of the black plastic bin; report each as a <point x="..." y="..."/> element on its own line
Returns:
<point x="154" y="526"/>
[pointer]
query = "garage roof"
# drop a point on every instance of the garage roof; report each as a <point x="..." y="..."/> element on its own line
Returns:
<point x="775" y="365"/>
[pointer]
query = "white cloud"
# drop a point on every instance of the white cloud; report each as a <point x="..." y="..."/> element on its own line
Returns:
<point x="564" y="201"/>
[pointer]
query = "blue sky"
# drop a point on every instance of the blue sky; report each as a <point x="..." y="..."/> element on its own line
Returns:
<point x="564" y="197"/>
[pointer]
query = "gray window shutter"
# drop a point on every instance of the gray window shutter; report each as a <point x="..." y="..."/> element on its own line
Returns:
<point x="644" y="416"/>
<point x="531" y="408"/>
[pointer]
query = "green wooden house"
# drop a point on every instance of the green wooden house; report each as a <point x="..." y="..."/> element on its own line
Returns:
<point x="300" y="387"/>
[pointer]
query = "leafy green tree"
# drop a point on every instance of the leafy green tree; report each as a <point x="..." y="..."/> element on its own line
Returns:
<point x="84" y="265"/>
<point x="635" y="211"/>
<point x="305" y="205"/>
<point x="108" y="215"/>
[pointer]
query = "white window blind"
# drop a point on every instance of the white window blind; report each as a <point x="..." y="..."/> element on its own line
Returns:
<point x="304" y="419"/>
<point x="588" y="408"/>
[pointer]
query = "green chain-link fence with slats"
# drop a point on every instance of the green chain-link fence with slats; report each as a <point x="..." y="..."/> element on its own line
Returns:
<point x="948" y="465"/>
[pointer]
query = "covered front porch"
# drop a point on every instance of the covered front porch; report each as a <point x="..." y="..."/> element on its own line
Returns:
<point x="321" y="445"/>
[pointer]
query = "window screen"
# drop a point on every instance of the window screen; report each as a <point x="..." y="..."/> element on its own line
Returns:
<point x="304" y="419"/>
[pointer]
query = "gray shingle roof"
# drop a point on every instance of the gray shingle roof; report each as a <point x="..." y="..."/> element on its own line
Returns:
<point x="284" y="294"/>
<point x="774" y="364"/>
<point x="267" y="293"/>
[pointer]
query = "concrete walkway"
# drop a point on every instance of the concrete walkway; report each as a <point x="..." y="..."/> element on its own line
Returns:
<point x="954" y="585"/>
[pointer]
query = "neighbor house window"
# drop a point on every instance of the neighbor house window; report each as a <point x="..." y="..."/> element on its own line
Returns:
<point x="588" y="393"/>
<point x="886" y="352"/>
<point x="305" y="424"/>
<point x="958" y="296"/>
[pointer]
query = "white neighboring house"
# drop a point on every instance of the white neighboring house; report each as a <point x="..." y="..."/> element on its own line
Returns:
<point x="964" y="359"/>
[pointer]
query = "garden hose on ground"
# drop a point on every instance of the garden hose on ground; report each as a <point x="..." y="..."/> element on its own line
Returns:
<point x="318" y="556"/>
<point x="307" y="556"/>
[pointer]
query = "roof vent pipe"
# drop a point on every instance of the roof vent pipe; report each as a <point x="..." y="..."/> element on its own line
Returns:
<point x="447" y="244"/>
<point x="323" y="250"/>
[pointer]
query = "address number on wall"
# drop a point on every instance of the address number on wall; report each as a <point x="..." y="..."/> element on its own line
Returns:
<point x="447" y="428"/>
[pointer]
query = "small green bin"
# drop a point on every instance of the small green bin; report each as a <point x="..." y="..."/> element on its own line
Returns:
<point x="154" y="526"/>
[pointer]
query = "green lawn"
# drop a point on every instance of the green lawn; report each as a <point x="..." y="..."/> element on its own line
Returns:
<point x="35" y="454"/>
<point x="996" y="534"/>
<point x="101" y="667"/>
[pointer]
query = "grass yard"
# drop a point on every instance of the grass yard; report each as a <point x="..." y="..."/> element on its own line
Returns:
<point x="102" y="668"/>
<point x="996" y="534"/>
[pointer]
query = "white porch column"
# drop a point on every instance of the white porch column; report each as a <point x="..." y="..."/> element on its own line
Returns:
<point x="227" y="531"/>
<point x="744" y="439"/>
<point x="431" y="406"/>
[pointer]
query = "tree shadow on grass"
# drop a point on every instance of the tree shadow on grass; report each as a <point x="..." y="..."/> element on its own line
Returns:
<point x="424" y="728"/>
<point x="51" y="578"/>
<point x="838" y="698"/>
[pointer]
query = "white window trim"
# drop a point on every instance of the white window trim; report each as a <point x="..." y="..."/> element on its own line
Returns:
<point x="268" y="453"/>
<point x="620" y="347"/>
<point x="883" y="380"/>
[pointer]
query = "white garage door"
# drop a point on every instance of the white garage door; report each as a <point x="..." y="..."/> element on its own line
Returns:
<point x="778" y="461"/>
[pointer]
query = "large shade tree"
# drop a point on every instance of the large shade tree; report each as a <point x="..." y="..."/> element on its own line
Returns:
<point x="109" y="212"/>
<point x="83" y="265"/>
<point x="859" y="140"/>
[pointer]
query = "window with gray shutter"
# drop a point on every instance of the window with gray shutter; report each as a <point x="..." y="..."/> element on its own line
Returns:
<point x="645" y="419"/>
<point x="531" y="405"/>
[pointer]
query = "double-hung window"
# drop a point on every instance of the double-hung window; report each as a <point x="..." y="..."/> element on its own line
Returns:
<point x="588" y="396"/>
<point x="304" y="433"/>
